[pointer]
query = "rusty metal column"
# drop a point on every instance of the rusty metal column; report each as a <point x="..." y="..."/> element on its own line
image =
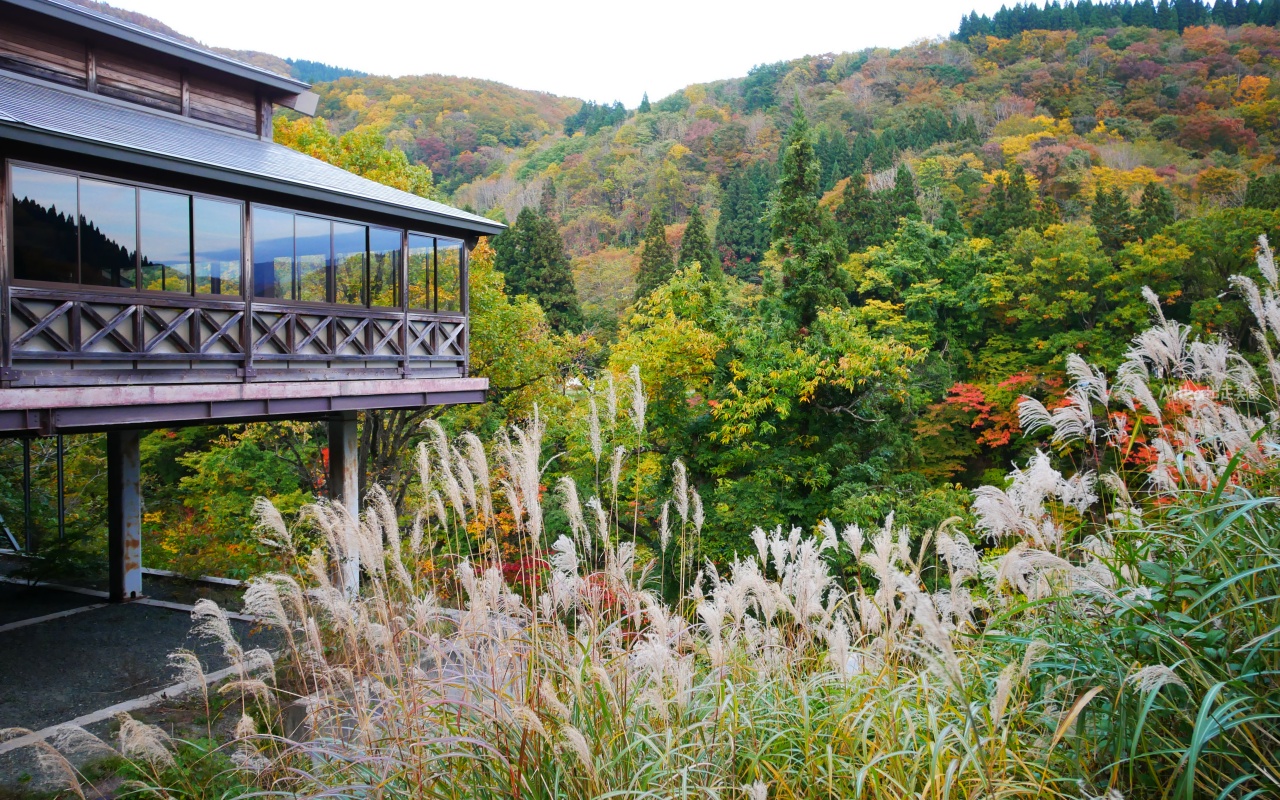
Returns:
<point x="344" y="488"/>
<point x="124" y="515"/>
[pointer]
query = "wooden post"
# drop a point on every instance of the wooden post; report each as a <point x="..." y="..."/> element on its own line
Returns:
<point x="124" y="515"/>
<point x="344" y="486"/>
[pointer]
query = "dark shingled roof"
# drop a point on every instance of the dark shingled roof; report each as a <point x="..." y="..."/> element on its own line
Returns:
<point x="42" y="113"/>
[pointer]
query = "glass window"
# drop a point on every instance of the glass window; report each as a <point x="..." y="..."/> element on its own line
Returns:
<point x="272" y="254"/>
<point x="313" y="258"/>
<point x="384" y="267"/>
<point x="44" y="226"/>
<point x="448" y="275"/>
<point x="165" y="240"/>
<point x="348" y="263"/>
<point x="422" y="269"/>
<point x="218" y="246"/>
<point x="108" y="234"/>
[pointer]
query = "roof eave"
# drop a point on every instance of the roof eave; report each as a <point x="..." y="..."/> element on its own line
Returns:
<point x="142" y="38"/>
<point x="24" y="133"/>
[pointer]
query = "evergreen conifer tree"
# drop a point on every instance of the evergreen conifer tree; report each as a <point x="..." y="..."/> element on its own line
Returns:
<point x="902" y="200"/>
<point x="645" y="108"/>
<point x="1011" y="206"/>
<point x="1113" y="219"/>
<point x="803" y="233"/>
<point x="532" y="259"/>
<point x="657" y="263"/>
<point x="1263" y="192"/>
<point x="1155" y="210"/>
<point x="696" y="246"/>
<point x="856" y="217"/>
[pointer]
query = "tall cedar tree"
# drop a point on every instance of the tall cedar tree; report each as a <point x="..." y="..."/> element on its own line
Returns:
<point x="1155" y="210"/>
<point x="856" y="216"/>
<point x="742" y="233"/>
<point x="696" y="246"/>
<point x="1011" y="206"/>
<point x="532" y="259"/>
<point x="902" y="202"/>
<point x="1113" y="219"/>
<point x="1262" y="192"/>
<point x="803" y="232"/>
<point x="645" y="108"/>
<point x="657" y="262"/>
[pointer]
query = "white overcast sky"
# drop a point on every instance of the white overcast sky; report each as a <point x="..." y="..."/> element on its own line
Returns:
<point x="595" y="50"/>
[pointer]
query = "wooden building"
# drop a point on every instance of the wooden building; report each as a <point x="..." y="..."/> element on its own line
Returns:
<point x="164" y="263"/>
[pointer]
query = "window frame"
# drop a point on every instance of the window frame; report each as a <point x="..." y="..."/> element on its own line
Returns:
<point x="79" y="285"/>
<point x="464" y="259"/>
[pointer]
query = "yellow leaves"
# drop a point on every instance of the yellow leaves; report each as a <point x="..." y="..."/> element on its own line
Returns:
<point x="1130" y="180"/>
<point x="1253" y="89"/>
<point x="678" y="151"/>
<point x="356" y="101"/>
<point x="1016" y="145"/>
<point x="400" y="100"/>
<point x="695" y="94"/>
<point x="991" y="177"/>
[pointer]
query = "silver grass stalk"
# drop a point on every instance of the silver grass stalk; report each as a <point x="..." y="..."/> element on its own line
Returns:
<point x="602" y="520"/>
<point x="572" y="507"/>
<point x="1153" y="678"/>
<point x="615" y="469"/>
<point x="480" y="469"/>
<point x="51" y="760"/>
<point x="664" y="526"/>
<point x="699" y="515"/>
<point x="611" y="399"/>
<point x="756" y="791"/>
<point x="274" y="533"/>
<point x="639" y="403"/>
<point x="597" y="445"/>
<point x="424" y="467"/>
<point x="146" y="743"/>
<point x="212" y="623"/>
<point x="680" y="489"/>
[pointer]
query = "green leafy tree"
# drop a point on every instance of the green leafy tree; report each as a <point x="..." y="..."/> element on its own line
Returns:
<point x="696" y="246"/>
<point x="532" y="258"/>
<point x="803" y="232"/>
<point x="657" y="262"/>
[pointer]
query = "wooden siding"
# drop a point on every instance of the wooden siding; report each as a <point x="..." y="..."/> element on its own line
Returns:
<point x="218" y="103"/>
<point x="31" y="51"/>
<point x="156" y="83"/>
<point x="137" y="81"/>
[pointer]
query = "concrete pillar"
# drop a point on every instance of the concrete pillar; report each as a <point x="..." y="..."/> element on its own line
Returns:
<point x="124" y="515"/>
<point x="344" y="486"/>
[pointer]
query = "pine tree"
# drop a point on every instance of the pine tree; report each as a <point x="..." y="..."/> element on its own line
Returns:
<point x="696" y="246"/>
<point x="657" y="263"/>
<point x="645" y="108"/>
<point x="902" y="199"/>
<point x="1155" y="210"/>
<point x="742" y="235"/>
<point x="1011" y="206"/>
<point x="803" y="232"/>
<point x="1113" y="219"/>
<point x="532" y="259"/>
<point x="856" y="218"/>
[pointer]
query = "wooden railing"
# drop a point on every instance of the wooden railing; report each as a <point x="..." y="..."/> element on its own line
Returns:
<point x="73" y="336"/>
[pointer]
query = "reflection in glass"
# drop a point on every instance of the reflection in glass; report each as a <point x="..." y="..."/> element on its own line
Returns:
<point x="448" y="275"/>
<point x="348" y="263"/>
<point x="312" y="242"/>
<point x="165" y="233"/>
<point x="384" y="267"/>
<point x="272" y="254"/>
<point x="218" y="243"/>
<point x="108" y="234"/>
<point x="422" y="268"/>
<point x="44" y="226"/>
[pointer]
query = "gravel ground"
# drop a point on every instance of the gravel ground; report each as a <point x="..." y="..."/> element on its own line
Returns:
<point x="23" y="602"/>
<point x="54" y="671"/>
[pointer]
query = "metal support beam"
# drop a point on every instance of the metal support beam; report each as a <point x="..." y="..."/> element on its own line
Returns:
<point x="344" y="486"/>
<point x="124" y="514"/>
